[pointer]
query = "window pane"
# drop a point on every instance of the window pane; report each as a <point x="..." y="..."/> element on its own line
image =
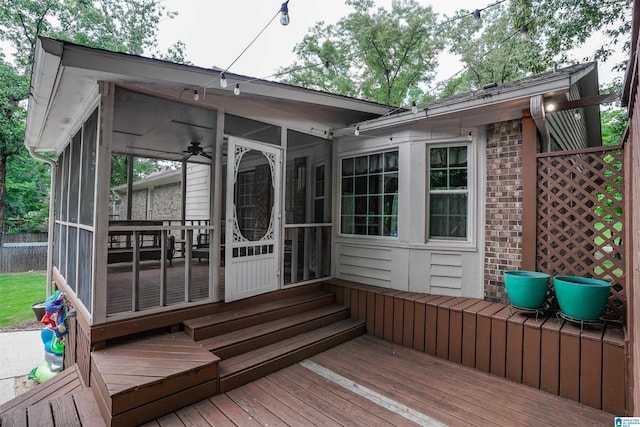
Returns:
<point x="438" y="158"/>
<point x="458" y="179"/>
<point x="438" y="180"/>
<point x="448" y="216"/>
<point x="362" y="165"/>
<point x="347" y="167"/>
<point x="74" y="177"/>
<point x="458" y="157"/>
<point x="374" y="209"/>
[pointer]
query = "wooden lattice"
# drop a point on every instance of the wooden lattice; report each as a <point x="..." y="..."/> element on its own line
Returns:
<point x="580" y="220"/>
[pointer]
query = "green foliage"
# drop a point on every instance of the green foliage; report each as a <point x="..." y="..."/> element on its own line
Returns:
<point x="142" y="167"/>
<point x="380" y="55"/>
<point x="129" y="26"/>
<point x="19" y="292"/>
<point x="614" y="122"/>
<point x="27" y="192"/>
<point x="492" y="50"/>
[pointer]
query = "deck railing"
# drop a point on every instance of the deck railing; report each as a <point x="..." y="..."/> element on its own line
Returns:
<point x="307" y="252"/>
<point x="148" y="274"/>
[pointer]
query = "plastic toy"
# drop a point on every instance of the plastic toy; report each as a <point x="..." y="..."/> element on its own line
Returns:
<point x="52" y="335"/>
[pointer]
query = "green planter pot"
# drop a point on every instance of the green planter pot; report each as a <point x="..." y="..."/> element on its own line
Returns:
<point x="526" y="289"/>
<point x="581" y="298"/>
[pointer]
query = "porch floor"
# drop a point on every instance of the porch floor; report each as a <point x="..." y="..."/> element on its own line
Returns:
<point x="368" y="381"/>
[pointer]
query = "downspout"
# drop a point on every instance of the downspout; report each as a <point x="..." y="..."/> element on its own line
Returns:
<point x="52" y="192"/>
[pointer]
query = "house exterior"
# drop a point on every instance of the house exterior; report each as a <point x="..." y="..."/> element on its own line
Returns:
<point x="287" y="187"/>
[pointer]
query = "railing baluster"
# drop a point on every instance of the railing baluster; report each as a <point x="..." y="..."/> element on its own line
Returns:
<point x="187" y="267"/>
<point x="163" y="267"/>
<point x="135" y="303"/>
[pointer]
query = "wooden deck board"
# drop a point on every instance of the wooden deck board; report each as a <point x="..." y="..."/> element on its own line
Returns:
<point x="446" y="391"/>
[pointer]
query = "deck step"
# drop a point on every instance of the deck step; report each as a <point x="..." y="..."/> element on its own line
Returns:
<point x="137" y="380"/>
<point x="236" y="342"/>
<point x="249" y="366"/>
<point x="252" y="314"/>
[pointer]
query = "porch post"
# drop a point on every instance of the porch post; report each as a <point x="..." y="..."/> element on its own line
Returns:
<point x="216" y="289"/>
<point x="529" y="191"/>
<point x="101" y="212"/>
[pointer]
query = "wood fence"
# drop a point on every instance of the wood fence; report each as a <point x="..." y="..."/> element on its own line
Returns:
<point x="18" y="255"/>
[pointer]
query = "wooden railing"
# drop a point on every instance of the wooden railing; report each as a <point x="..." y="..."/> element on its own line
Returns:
<point x="149" y="267"/>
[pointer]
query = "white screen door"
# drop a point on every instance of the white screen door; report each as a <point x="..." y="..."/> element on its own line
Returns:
<point x="252" y="231"/>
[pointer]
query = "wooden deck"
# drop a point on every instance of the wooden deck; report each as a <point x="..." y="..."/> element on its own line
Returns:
<point x="150" y="375"/>
<point x="62" y="401"/>
<point x="372" y="382"/>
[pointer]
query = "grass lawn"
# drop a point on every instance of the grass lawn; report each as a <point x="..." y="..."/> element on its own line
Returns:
<point x="17" y="293"/>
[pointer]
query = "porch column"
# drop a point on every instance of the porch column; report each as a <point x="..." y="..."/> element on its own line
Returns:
<point x="216" y="288"/>
<point x="101" y="210"/>
<point x="529" y="191"/>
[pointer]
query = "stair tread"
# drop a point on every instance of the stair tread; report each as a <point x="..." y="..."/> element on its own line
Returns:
<point x="270" y="352"/>
<point x="224" y="340"/>
<point x="233" y="315"/>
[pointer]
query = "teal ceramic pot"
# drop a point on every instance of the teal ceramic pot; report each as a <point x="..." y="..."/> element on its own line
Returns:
<point x="526" y="289"/>
<point x="581" y="298"/>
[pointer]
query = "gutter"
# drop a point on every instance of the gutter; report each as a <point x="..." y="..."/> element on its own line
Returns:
<point x="52" y="192"/>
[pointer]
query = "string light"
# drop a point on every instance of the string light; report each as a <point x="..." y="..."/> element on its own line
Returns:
<point x="236" y="90"/>
<point x="196" y="96"/>
<point x="414" y="107"/>
<point x="477" y="18"/>
<point x="524" y="32"/>
<point x="577" y="115"/>
<point x="357" y="131"/>
<point x="284" y="13"/>
<point x="326" y="70"/>
<point x="223" y="80"/>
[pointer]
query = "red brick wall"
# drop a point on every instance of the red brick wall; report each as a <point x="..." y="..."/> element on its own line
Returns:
<point x="503" y="232"/>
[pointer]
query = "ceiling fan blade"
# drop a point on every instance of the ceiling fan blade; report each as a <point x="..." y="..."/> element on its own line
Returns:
<point x="208" y="156"/>
<point x="184" y="159"/>
<point x="151" y="149"/>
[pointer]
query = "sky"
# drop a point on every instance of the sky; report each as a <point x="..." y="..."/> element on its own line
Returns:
<point x="215" y="32"/>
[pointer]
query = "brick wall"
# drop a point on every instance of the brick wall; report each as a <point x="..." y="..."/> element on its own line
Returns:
<point x="167" y="201"/>
<point x="503" y="233"/>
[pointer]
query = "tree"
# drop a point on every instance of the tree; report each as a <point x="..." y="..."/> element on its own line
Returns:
<point x="120" y="25"/>
<point x="378" y="55"/>
<point x="493" y="51"/>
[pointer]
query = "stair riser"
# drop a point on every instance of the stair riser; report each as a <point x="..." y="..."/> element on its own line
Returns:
<point x="234" y="325"/>
<point x="270" y="338"/>
<point x="232" y="381"/>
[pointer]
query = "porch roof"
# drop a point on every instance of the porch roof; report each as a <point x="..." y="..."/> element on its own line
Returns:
<point x="65" y="79"/>
<point x="500" y="102"/>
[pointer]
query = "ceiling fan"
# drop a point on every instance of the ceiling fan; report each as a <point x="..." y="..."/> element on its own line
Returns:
<point x="195" y="149"/>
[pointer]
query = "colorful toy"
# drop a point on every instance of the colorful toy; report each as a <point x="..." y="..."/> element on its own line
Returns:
<point x="52" y="335"/>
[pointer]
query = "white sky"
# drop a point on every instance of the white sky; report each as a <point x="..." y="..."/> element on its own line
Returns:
<point x="216" y="31"/>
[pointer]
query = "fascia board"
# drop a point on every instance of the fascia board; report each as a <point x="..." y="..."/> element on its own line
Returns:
<point x="44" y="81"/>
<point x="558" y="83"/>
<point x="146" y="69"/>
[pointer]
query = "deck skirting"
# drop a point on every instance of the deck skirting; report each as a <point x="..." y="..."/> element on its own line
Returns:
<point x="551" y="354"/>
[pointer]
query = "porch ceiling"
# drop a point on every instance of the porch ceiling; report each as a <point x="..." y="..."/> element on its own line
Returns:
<point x="64" y="88"/>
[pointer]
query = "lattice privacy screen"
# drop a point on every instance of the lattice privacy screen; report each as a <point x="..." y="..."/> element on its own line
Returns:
<point x="580" y="219"/>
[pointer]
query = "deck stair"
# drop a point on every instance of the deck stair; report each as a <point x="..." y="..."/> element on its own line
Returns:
<point x="260" y="337"/>
<point x="137" y="380"/>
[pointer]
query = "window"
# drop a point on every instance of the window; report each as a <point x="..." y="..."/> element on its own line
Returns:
<point x="448" y="192"/>
<point x="370" y="195"/>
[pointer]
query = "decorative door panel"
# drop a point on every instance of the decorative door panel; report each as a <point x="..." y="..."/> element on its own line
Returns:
<point x="252" y="231"/>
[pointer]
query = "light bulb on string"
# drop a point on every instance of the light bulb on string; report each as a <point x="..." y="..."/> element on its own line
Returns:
<point x="196" y="96"/>
<point x="357" y="131"/>
<point x="326" y="70"/>
<point x="223" y="80"/>
<point x="576" y="114"/>
<point x="524" y="33"/>
<point x="236" y="91"/>
<point x="414" y="107"/>
<point x="284" y="13"/>
<point x="477" y="17"/>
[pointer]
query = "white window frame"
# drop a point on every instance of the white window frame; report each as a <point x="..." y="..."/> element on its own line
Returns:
<point x="353" y="155"/>
<point x="469" y="191"/>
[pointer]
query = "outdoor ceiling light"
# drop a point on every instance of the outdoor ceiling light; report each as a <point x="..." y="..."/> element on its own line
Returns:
<point x="284" y="13"/>
<point x="223" y="80"/>
<point x="236" y="91"/>
<point x="550" y="107"/>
